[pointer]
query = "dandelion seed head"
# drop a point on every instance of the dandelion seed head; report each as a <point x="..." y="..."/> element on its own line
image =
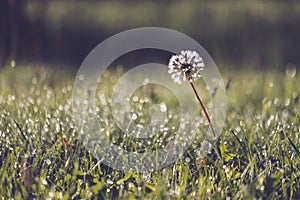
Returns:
<point x="186" y="66"/>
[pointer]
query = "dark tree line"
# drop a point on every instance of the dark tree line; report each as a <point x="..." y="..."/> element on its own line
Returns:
<point x="250" y="41"/>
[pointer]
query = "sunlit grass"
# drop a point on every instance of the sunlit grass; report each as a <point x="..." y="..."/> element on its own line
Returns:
<point x="42" y="156"/>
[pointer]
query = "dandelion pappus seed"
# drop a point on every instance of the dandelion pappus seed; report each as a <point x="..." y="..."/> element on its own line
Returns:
<point x="186" y="66"/>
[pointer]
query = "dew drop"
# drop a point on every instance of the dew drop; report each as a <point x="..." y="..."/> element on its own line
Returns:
<point x="48" y="162"/>
<point x="109" y="181"/>
<point x="44" y="182"/>
<point x="34" y="80"/>
<point x="146" y="81"/>
<point x="135" y="99"/>
<point x="287" y="101"/>
<point x="81" y="77"/>
<point x="134" y="116"/>
<point x="13" y="63"/>
<point x="163" y="107"/>
<point x="291" y="70"/>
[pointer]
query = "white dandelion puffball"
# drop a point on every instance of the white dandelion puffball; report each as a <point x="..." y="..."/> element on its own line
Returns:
<point x="186" y="66"/>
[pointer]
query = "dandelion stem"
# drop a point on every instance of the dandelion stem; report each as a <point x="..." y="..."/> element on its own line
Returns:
<point x="203" y="108"/>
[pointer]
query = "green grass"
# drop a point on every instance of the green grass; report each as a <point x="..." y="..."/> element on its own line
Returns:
<point x="41" y="155"/>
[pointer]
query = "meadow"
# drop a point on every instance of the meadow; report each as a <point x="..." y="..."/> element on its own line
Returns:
<point x="256" y="157"/>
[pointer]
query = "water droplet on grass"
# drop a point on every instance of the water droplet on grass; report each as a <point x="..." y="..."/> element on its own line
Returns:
<point x="34" y="80"/>
<point x="13" y="63"/>
<point x="287" y="101"/>
<point x="44" y="182"/>
<point x="163" y="107"/>
<point x="81" y="77"/>
<point x="109" y="181"/>
<point x="291" y="70"/>
<point x="134" y="116"/>
<point x="48" y="162"/>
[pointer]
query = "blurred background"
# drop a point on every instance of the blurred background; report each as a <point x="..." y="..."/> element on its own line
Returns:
<point x="237" y="34"/>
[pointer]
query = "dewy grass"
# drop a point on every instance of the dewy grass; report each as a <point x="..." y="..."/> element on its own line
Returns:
<point x="259" y="148"/>
<point x="187" y="66"/>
